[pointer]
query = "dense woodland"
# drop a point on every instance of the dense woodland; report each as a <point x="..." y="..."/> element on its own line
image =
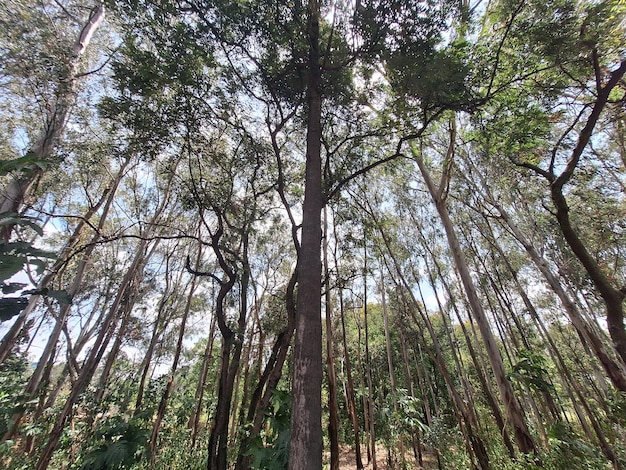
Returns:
<point x="258" y="234"/>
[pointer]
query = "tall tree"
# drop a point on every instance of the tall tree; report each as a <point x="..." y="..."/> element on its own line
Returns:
<point x="57" y="111"/>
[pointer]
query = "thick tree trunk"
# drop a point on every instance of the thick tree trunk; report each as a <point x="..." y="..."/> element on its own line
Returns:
<point x="305" y="451"/>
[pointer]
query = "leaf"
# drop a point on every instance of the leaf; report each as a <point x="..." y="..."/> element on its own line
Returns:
<point x="28" y="162"/>
<point x="10" y="265"/>
<point x="60" y="296"/>
<point x="12" y="287"/>
<point x="11" y="306"/>
<point x="11" y="218"/>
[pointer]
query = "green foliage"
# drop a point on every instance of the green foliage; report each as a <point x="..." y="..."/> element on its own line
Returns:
<point x="270" y="450"/>
<point x="567" y="450"/>
<point x="120" y="443"/>
<point x="437" y="78"/>
<point x="24" y="164"/>
<point x="530" y="369"/>
<point x="405" y="421"/>
<point x="12" y="381"/>
<point x="14" y="256"/>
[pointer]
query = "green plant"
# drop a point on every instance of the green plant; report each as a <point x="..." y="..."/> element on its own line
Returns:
<point x="120" y="444"/>
<point x="270" y="450"/>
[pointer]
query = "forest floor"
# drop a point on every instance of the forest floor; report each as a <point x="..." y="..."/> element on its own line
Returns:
<point x="347" y="460"/>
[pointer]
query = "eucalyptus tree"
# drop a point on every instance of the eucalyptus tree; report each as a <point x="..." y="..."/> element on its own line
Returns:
<point x="45" y="50"/>
<point x="556" y="123"/>
<point x="400" y="263"/>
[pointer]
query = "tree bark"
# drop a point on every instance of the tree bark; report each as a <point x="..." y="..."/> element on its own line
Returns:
<point x="305" y="451"/>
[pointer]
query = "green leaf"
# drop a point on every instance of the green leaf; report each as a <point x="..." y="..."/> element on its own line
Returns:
<point x="11" y="218"/>
<point x="10" y="265"/>
<point x="28" y="162"/>
<point x="11" y="306"/>
<point x="12" y="287"/>
<point x="62" y="296"/>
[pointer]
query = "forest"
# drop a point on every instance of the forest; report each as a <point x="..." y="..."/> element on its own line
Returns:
<point x="312" y="234"/>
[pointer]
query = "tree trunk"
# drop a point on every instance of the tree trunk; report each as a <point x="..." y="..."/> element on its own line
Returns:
<point x="390" y="368"/>
<point x="270" y="377"/>
<point x="107" y="198"/>
<point x="351" y="404"/>
<point x="305" y="450"/>
<point x="369" y="400"/>
<point x="514" y="411"/>
<point x="477" y="358"/>
<point x="613" y="369"/>
<point x="177" y="352"/>
<point x="231" y="343"/>
<point x="91" y="362"/>
<point x="333" y="420"/>
<point x="194" y="419"/>
<point x="18" y="190"/>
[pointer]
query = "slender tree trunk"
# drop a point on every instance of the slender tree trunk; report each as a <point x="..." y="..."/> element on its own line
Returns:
<point x="333" y="420"/>
<point x="160" y="324"/>
<point x="390" y="368"/>
<point x="514" y="411"/>
<point x="91" y="362"/>
<point x="477" y="358"/>
<point x="305" y="451"/>
<point x="177" y="352"/>
<point x="416" y="432"/>
<point x="369" y="409"/>
<point x="107" y="198"/>
<point x="18" y="190"/>
<point x="125" y="314"/>
<point x="269" y="378"/>
<point x="352" y="411"/>
<point x="194" y="419"/>
<point x="613" y="296"/>
<point x="466" y="415"/>
<point x="614" y="370"/>
<point x="107" y="329"/>
<point x="362" y="386"/>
